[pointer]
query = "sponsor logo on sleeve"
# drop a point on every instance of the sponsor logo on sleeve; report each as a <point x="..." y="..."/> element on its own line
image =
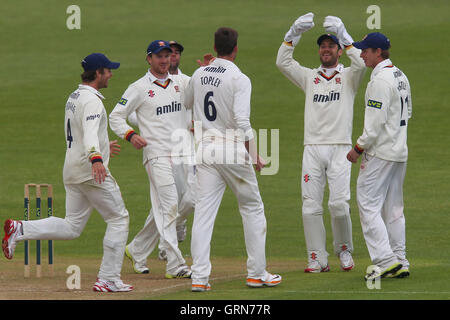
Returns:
<point x="123" y="101"/>
<point x="374" y="104"/>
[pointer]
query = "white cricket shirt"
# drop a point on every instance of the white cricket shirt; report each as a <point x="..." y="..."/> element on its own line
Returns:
<point x="219" y="95"/>
<point x="328" y="100"/>
<point x="160" y="114"/>
<point x="388" y="108"/>
<point x="86" y="128"/>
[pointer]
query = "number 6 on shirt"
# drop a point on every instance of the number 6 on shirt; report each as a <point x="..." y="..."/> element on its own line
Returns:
<point x="208" y="103"/>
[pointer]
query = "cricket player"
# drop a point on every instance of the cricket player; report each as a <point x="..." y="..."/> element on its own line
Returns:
<point x="184" y="177"/>
<point x="220" y="97"/>
<point x="167" y="145"/>
<point x="89" y="184"/>
<point x="329" y="90"/>
<point x="388" y="108"/>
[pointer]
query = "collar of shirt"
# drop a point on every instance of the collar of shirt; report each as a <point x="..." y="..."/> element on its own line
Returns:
<point x="91" y="89"/>
<point x="152" y="78"/>
<point x="379" y="67"/>
<point x="329" y="71"/>
<point x="222" y="61"/>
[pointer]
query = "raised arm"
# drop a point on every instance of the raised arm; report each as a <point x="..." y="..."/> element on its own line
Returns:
<point x="296" y="73"/>
<point x="357" y="67"/>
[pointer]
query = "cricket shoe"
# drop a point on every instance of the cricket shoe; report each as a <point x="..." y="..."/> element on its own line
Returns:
<point x="162" y="255"/>
<point x="346" y="260"/>
<point x="401" y="273"/>
<point x="12" y="231"/>
<point x="111" y="286"/>
<point x="377" y="272"/>
<point x="270" y="280"/>
<point x="315" y="267"/>
<point x="182" y="272"/>
<point x="137" y="267"/>
<point x="201" y="287"/>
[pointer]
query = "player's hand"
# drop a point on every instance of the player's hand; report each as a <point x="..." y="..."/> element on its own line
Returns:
<point x="260" y="163"/>
<point x="114" y="148"/>
<point x="353" y="156"/>
<point x="335" y="25"/>
<point x="207" y="60"/>
<point x="99" y="172"/>
<point x="138" y="142"/>
<point x="302" y="24"/>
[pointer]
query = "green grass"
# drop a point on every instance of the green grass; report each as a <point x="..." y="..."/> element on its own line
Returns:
<point x="334" y="285"/>
<point x="41" y="67"/>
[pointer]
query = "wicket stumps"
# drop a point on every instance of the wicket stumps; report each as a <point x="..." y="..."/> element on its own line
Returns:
<point x="27" y="213"/>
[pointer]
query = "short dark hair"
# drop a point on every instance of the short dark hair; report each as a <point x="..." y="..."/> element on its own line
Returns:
<point x="91" y="75"/>
<point x="225" y="39"/>
<point x="384" y="53"/>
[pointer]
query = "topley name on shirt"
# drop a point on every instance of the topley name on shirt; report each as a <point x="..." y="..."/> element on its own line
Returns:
<point x="210" y="81"/>
<point x="173" y="107"/>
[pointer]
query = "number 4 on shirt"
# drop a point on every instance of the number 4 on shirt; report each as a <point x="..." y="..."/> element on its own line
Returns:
<point x="69" y="134"/>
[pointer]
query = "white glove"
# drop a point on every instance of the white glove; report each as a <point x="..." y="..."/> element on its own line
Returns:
<point x="302" y="24"/>
<point x="335" y="25"/>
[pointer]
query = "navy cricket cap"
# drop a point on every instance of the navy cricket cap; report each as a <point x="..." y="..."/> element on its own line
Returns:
<point x="373" y="40"/>
<point x="96" y="61"/>
<point x="176" y="44"/>
<point x="158" y="45"/>
<point x="328" y="36"/>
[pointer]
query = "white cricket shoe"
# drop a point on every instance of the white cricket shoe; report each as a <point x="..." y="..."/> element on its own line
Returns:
<point x="403" y="272"/>
<point x="201" y="287"/>
<point x="181" y="231"/>
<point x="314" y="266"/>
<point x="111" y="286"/>
<point x="183" y="271"/>
<point x="346" y="259"/>
<point x="137" y="267"/>
<point x="269" y="280"/>
<point x="382" y="273"/>
<point x="12" y="231"/>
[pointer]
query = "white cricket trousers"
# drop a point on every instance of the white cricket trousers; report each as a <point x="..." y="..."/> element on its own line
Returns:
<point x="81" y="199"/>
<point x="321" y="163"/>
<point x="380" y="200"/>
<point x="212" y="180"/>
<point x="161" y="221"/>
<point x="184" y="175"/>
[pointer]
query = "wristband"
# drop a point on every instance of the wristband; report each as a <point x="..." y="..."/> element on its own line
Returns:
<point x="96" y="158"/>
<point x="129" y="134"/>
<point x="358" y="149"/>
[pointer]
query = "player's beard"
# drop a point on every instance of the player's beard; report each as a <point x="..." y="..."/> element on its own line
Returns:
<point x="160" y="70"/>
<point x="173" y="67"/>
<point x="330" y="62"/>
